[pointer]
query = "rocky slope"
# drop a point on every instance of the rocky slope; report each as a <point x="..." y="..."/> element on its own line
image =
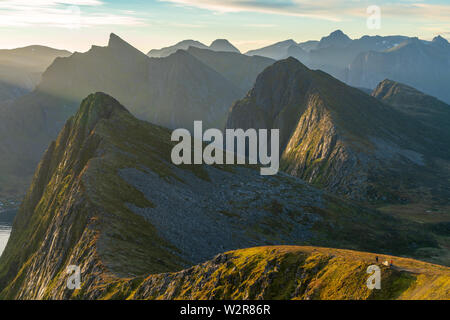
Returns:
<point x="172" y="91"/>
<point x="106" y="197"/>
<point x="337" y="137"/>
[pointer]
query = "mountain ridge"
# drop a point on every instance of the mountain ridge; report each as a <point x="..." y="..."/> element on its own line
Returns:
<point x="100" y="200"/>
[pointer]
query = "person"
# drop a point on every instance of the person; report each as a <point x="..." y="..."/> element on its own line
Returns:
<point x="376" y="258"/>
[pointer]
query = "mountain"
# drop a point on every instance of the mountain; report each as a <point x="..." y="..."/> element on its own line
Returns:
<point x="309" y="45"/>
<point x="223" y="45"/>
<point x="21" y="69"/>
<point x="239" y="69"/>
<point x="172" y="91"/>
<point x="341" y="139"/>
<point x="421" y="64"/>
<point x="167" y="51"/>
<point x="427" y="109"/>
<point x="336" y="51"/>
<point x="335" y="39"/>
<point x="275" y="51"/>
<point x="332" y="54"/>
<point x="107" y="198"/>
<point x="217" y="45"/>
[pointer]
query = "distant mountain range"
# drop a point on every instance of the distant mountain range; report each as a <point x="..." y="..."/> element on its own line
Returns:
<point x="221" y="45"/>
<point x="366" y="61"/>
<point x="107" y="198"/>
<point x="362" y="62"/>
<point x="21" y="69"/>
<point x="341" y="139"/>
<point x="420" y="64"/>
<point x="279" y="50"/>
<point x="172" y="91"/>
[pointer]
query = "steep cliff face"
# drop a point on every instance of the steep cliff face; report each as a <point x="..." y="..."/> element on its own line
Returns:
<point x="337" y="137"/>
<point x="107" y="198"/>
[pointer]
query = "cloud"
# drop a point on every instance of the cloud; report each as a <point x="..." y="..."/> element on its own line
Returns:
<point x="332" y="10"/>
<point x="296" y="8"/>
<point x="260" y="25"/>
<point x="60" y="13"/>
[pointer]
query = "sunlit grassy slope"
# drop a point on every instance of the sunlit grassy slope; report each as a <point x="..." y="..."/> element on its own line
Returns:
<point x="291" y="272"/>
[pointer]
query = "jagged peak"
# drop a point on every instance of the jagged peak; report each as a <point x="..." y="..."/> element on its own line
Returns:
<point x="96" y="107"/>
<point x="286" y="66"/>
<point x="117" y="42"/>
<point x="440" y="40"/>
<point x="292" y="62"/>
<point x="388" y="87"/>
<point x="337" y="34"/>
<point x="335" y="38"/>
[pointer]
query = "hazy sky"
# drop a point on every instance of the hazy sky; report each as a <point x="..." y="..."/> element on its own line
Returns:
<point x="77" y="24"/>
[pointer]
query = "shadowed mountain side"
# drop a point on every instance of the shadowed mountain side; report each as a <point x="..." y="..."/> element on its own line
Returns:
<point x="240" y="69"/>
<point x="107" y="198"/>
<point x="172" y="92"/>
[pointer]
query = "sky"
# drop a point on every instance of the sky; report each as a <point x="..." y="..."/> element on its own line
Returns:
<point x="76" y="25"/>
